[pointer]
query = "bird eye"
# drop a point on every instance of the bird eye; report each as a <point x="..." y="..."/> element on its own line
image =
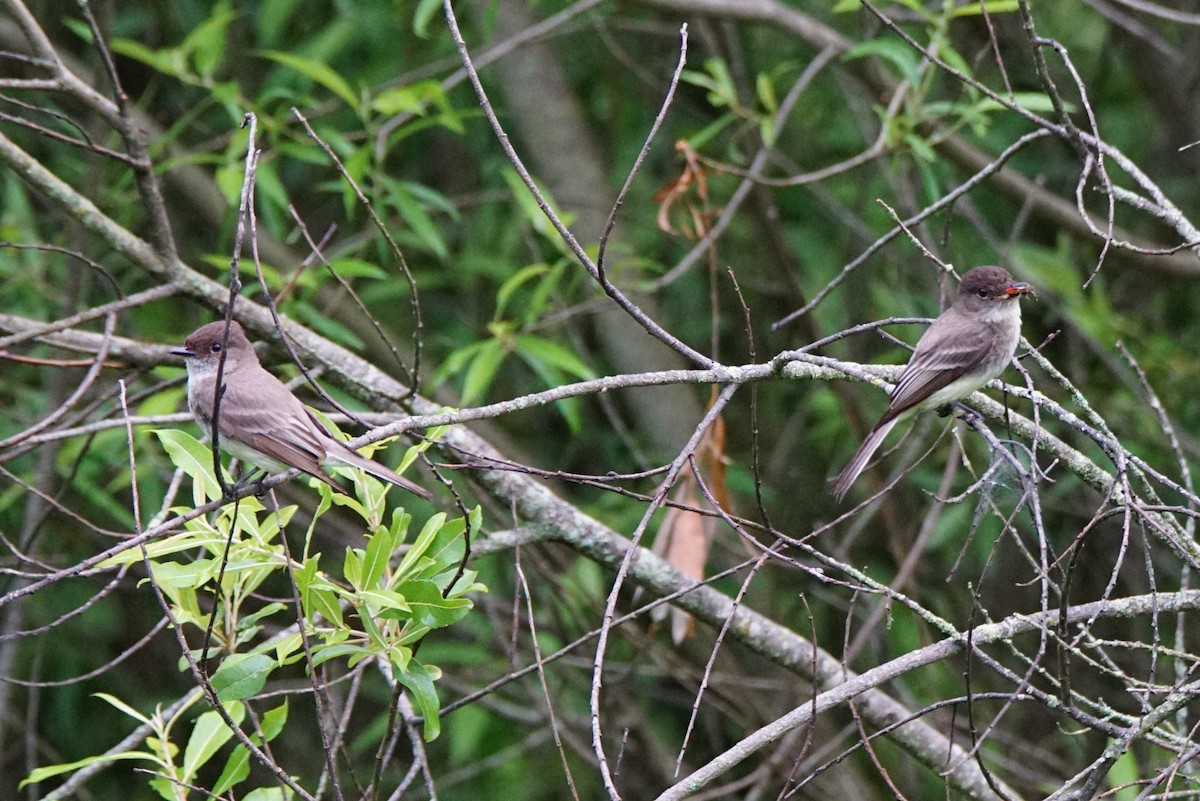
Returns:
<point x="983" y="293"/>
<point x="216" y="347"/>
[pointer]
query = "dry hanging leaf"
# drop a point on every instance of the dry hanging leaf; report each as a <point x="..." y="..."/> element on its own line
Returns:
<point x="686" y="535"/>
<point x="693" y="179"/>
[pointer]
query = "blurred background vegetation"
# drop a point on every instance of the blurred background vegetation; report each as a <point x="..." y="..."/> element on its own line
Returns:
<point x="506" y="310"/>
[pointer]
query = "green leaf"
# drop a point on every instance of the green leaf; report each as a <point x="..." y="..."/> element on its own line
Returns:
<point x="357" y="268"/>
<point x="1031" y="101"/>
<point x="254" y="617"/>
<point x="423" y="15"/>
<point x="273" y="721"/>
<point x="533" y="213"/>
<point x="400" y="520"/>
<point x="170" y="61"/>
<point x="124" y="707"/>
<point x="164" y="787"/>
<point x="717" y="80"/>
<point x="553" y="354"/>
<point x="414" y="214"/>
<point x="422" y="543"/>
<point x="208" y="735"/>
<point x="570" y="408"/>
<point x="482" y="369"/>
<point x="242" y="676"/>
<point x="515" y="282"/>
<point x="428" y="606"/>
<point x="236" y="769"/>
<point x="268" y="794"/>
<point x="206" y="43"/>
<point x="766" y="130"/>
<point x="898" y="53"/>
<point x="465" y="584"/>
<point x="320" y="321"/>
<point x="352" y="567"/>
<point x="765" y="89"/>
<point x="324" y="653"/>
<point x="920" y="147"/>
<point x="318" y="72"/>
<point x="993" y="7"/>
<point x="41" y="774"/>
<point x="709" y="132"/>
<point x="194" y="458"/>
<point x="378" y="601"/>
<point x="326" y="603"/>
<point x="543" y="294"/>
<point x="375" y="562"/>
<point x="419" y="680"/>
<point x="442" y="557"/>
<point x="399" y="99"/>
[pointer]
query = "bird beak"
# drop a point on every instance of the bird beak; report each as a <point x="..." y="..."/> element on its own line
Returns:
<point x="1018" y="288"/>
<point x="187" y="354"/>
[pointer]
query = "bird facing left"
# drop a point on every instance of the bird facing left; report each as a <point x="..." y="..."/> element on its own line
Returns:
<point x="259" y="420"/>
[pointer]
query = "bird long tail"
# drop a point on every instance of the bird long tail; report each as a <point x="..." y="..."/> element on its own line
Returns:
<point x="858" y="463"/>
<point x="353" y="458"/>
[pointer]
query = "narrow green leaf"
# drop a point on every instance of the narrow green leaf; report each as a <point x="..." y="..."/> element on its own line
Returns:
<point x="993" y="7"/>
<point x="1032" y="101"/>
<point x="425" y="12"/>
<point x="533" y="213"/>
<point x="515" y="282"/>
<point x="414" y="214"/>
<point x="206" y="43"/>
<point x="375" y="562"/>
<point x="426" y="538"/>
<point x="898" y="53"/>
<point x="766" y="129"/>
<point x="41" y="774"/>
<point x="322" y="654"/>
<point x="482" y="369"/>
<point x="555" y="355"/>
<point x="709" y="132"/>
<point x="236" y="769"/>
<point x="317" y="72"/>
<point x="124" y="707"/>
<point x="169" y="61"/>
<point x="357" y="268"/>
<point x="352" y="567"/>
<point x="209" y="734"/>
<point x="765" y="89"/>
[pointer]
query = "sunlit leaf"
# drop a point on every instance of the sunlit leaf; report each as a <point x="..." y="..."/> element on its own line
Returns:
<point x="208" y="735"/>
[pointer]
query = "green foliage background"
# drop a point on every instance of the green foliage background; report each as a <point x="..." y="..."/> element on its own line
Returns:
<point x="506" y="311"/>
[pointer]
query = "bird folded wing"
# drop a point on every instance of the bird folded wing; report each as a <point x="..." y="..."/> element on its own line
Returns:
<point x="935" y="366"/>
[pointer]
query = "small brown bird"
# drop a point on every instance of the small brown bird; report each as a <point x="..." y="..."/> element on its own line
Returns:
<point x="261" y="421"/>
<point x="967" y="346"/>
